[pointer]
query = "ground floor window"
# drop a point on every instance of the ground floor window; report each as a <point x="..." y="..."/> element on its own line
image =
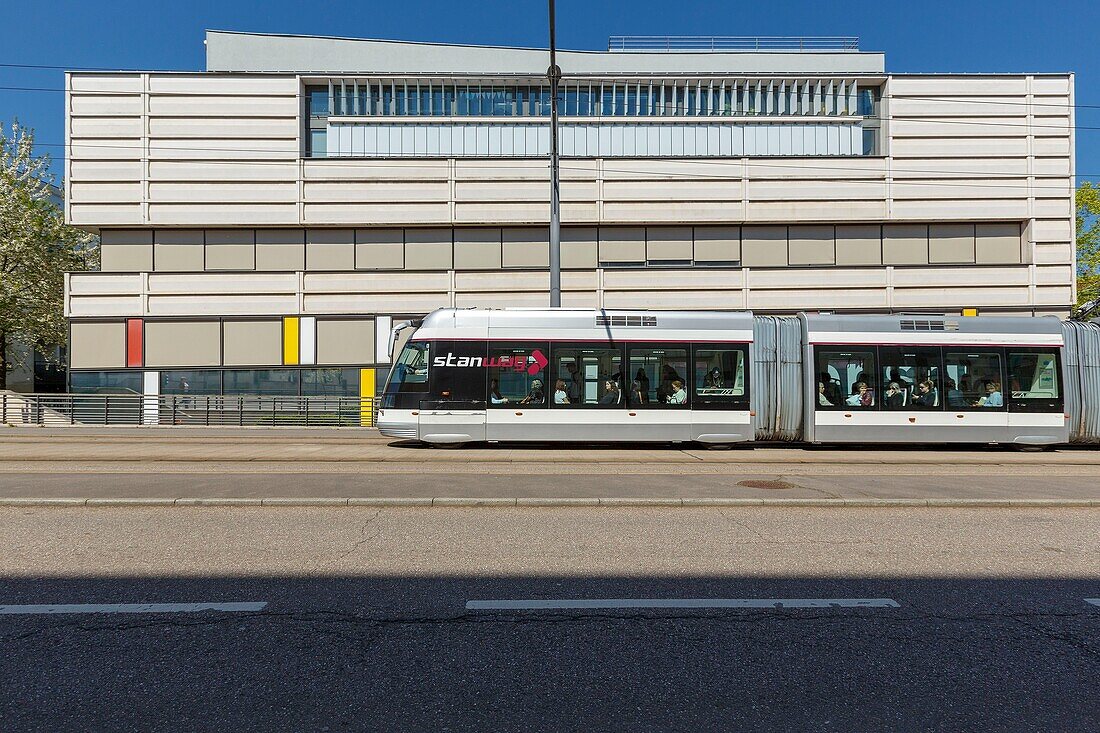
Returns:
<point x="105" y="382"/>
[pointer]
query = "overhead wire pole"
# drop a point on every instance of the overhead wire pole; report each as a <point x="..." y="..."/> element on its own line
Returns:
<point x="553" y="73"/>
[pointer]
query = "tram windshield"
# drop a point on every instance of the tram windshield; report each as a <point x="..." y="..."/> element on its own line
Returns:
<point x="410" y="372"/>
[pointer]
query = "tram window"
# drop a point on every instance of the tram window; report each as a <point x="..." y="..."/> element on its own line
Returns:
<point x="1033" y="375"/>
<point x="658" y="377"/>
<point x="517" y="376"/>
<point x="846" y="380"/>
<point x="410" y="372"/>
<point x="972" y="380"/>
<point x="719" y="376"/>
<point x="910" y="378"/>
<point x="580" y="375"/>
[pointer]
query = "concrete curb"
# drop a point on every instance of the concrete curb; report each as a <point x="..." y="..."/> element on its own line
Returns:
<point x="489" y="502"/>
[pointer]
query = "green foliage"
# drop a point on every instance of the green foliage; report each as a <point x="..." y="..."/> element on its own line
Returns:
<point x="1088" y="242"/>
<point x="36" y="248"/>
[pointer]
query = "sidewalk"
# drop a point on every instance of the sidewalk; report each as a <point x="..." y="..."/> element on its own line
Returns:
<point x="358" y="467"/>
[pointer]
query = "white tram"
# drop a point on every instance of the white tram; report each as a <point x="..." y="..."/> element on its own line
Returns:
<point x="471" y="375"/>
<point x="572" y="375"/>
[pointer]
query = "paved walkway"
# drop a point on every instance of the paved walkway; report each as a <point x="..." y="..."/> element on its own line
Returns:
<point x="351" y="466"/>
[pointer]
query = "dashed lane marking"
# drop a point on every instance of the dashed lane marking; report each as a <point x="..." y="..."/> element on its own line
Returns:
<point x="612" y="603"/>
<point x="41" y="608"/>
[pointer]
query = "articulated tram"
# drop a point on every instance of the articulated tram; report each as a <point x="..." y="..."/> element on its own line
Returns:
<point x="472" y="375"/>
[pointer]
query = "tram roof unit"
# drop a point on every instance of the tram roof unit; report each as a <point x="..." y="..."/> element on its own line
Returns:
<point x="586" y="325"/>
<point x="932" y="330"/>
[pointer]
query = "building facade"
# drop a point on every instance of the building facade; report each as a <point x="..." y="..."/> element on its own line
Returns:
<point x="264" y="223"/>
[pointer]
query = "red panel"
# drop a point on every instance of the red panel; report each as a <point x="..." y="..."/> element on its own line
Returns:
<point x="134" y="332"/>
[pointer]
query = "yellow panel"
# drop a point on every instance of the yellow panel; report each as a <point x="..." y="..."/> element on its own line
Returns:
<point x="970" y="311"/>
<point x="290" y="340"/>
<point x="366" y="398"/>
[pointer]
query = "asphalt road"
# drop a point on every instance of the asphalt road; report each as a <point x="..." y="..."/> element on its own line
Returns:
<point x="366" y="627"/>
<point x="257" y="464"/>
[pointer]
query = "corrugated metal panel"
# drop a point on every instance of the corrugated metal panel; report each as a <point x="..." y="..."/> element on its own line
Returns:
<point x="525" y="140"/>
<point x="1082" y="389"/>
<point x="776" y="387"/>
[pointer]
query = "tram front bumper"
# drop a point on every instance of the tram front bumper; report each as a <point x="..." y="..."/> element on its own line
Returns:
<point x="398" y="424"/>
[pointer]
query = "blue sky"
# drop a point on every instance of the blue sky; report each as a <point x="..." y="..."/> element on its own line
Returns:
<point x="1007" y="36"/>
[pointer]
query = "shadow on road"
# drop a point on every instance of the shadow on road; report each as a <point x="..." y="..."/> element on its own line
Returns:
<point x="404" y="653"/>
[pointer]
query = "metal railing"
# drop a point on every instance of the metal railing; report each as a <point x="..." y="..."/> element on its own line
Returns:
<point x="55" y="410"/>
<point x="733" y="43"/>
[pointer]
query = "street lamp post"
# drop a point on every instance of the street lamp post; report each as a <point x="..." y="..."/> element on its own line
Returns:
<point x="553" y="73"/>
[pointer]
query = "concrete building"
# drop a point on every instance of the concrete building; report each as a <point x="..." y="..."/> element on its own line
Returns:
<point x="264" y="221"/>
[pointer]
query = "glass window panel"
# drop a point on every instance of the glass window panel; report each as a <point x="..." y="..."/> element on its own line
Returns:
<point x="870" y="139"/>
<point x="719" y="376"/>
<point x="318" y="101"/>
<point x="643" y="102"/>
<point x="318" y="143"/>
<point x="846" y="380"/>
<point x="261" y="381"/>
<point x="464" y="100"/>
<point x="586" y="376"/>
<point x="517" y="375"/>
<point x="1033" y="375"/>
<point x="607" y="107"/>
<point x="410" y="371"/>
<point x="192" y="381"/>
<point x="972" y="380"/>
<point x="330" y="382"/>
<point x="910" y="378"/>
<point x="584" y="102"/>
<point x="658" y="377"/>
<point x="105" y="382"/>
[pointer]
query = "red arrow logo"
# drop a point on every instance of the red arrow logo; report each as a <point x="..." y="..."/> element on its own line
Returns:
<point x="540" y="362"/>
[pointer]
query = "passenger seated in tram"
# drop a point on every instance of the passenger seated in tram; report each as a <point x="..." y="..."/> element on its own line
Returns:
<point x="925" y="395"/>
<point x="610" y="393"/>
<point x="713" y="379"/>
<point x="894" y="396"/>
<point x="895" y="376"/>
<point x="992" y="397"/>
<point x="679" y="396"/>
<point x="822" y="398"/>
<point x="494" y="393"/>
<point x="561" y="397"/>
<point x="535" y="396"/>
<point x="833" y="391"/>
<point x="862" y="397"/>
<point x="955" y="396"/>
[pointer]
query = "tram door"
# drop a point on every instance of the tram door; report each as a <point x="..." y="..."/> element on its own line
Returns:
<point x="454" y="409"/>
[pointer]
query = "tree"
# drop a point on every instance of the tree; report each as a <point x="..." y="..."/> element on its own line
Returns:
<point x="1087" y="204"/>
<point x="36" y="249"/>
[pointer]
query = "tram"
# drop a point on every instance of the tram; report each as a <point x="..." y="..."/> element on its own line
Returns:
<point x="474" y="375"/>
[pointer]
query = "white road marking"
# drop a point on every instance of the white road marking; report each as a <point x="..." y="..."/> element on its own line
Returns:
<point x="586" y="603"/>
<point x="130" y="607"/>
<point x="1093" y="601"/>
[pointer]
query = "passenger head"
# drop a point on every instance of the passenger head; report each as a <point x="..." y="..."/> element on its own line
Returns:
<point x="536" y="384"/>
<point x="861" y="387"/>
<point x="895" y="386"/>
<point x="925" y="386"/>
<point x="677" y="384"/>
<point x="609" y="385"/>
<point x="992" y="387"/>
<point x="560" y="385"/>
<point x="820" y="386"/>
